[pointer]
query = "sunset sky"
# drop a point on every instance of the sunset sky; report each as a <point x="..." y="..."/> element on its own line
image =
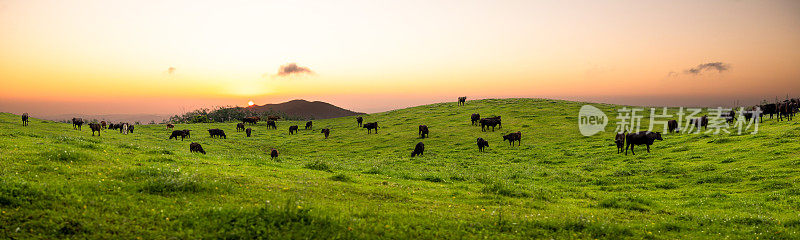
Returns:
<point x="172" y="56"/>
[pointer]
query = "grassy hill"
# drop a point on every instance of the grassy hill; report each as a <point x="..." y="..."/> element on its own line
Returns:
<point x="56" y="182"/>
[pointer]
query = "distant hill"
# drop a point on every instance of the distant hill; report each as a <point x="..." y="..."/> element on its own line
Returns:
<point x="305" y="109"/>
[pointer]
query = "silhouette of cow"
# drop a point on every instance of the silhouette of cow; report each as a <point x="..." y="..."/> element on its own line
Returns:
<point x="293" y="129"/>
<point x="248" y="131"/>
<point x="271" y="124"/>
<point x="620" y="141"/>
<point x="419" y="150"/>
<point x="475" y="118"/>
<point x="273" y="154"/>
<point x="462" y="101"/>
<point x="672" y="126"/>
<point x="195" y="147"/>
<point x="239" y="127"/>
<point x="359" y="120"/>
<point x="95" y="128"/>
<point x="512" y="137"/>
<point x="309" y="125"/>
<point x="326" y="132"/>
<point x="482" y="144"/>
<point x="219" y="133"/>
<point x="370" y="126"/>
<point x="25" y="119"/>
<point x="77" y="123"/>
<point x="177" y="133"/>
<point x="423" y="131"/>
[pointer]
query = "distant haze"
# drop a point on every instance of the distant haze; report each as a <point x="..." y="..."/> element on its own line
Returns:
<point x="169" y="57"/>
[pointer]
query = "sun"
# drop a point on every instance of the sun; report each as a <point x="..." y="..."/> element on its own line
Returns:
<point x="250" y="103"/>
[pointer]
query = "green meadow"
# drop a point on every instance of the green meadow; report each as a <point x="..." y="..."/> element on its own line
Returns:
<point x="56" y="182"/>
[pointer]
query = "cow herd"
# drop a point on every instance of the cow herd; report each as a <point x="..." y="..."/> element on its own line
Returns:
<point x="782" y="110"/>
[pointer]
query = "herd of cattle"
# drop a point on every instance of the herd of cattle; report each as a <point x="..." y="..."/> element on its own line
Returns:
<point x="624" y="140"/>
<point x="785" y="109"/>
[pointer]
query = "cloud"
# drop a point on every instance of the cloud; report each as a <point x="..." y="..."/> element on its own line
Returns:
<point x="672" y="74"/>
<point x="171" y="70"/>
<point x="293" y="69"/>
<point x="719" y="66"/>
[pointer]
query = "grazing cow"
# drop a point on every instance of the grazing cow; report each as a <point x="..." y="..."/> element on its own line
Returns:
<point x="77" y="123"/>
<point x="293" y="129"/>
<point x="475" y="118"/>
<point x="482" y="144"/>
<point x="462" y="101"/>
<point x="499" y="121"/>
<point x="640" y="138"/>
<point x="511" y="137"/>
<point x="326" y="132"/>
<point x="95" y="128"/>
<point x="672" y="127"/>
<point x="309" y="125"/>
<point x="195" y="147"/>
<point x="423" y="131"/>
<point x="273" y="118"/>
<point x="187" y="133"/>
<point x="785" y="109"/>
<point x="274" y="153"/>
<point x="488" y="122"/>
<point x="177" y="133"/>
<point x="251" y="120"/>
<point x="359" y="120"/>
<point x="770" y="108"/>
<point x="217" y="133"/>
<point x="700" y="122"/>
<point x="130" y="128"/>
<point x="103" y="124"/>
<point x="248" y="131"/>
<point x="239" y="127"/>
<point x="25" y="119"/>
<point x="419" y="150"/>
<point x="124" y="128"/>
<point x="370" y="126"/>
<point x="271" y="124"/>
<point x="170" y="126"/>
<point x="620" y="141"/>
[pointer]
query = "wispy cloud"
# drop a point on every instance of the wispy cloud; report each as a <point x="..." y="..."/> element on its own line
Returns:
<point x="293" y="69"/>
<point x="719" y="66"/>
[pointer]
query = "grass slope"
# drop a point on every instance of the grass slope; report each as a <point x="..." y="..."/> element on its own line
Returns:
<point x="56" y="182"/>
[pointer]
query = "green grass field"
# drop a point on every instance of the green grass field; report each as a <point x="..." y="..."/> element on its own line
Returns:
<point x="56" y="182"/>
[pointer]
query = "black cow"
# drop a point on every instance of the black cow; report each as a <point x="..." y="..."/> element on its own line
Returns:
<point x="77" y="123"/>
<point x="293" y="129"/>
<point x="309" y="125"/>
<point x="326" y="132"/>
<point x="700" y="122"/>
<point x="462" y="101"/>
<point x="640" y="138"/>
<point x="482" y="144"/>
<point x="170" y="126"/>
<point x="103" y="124"/>
<point x="785" y="109"/>
<point x="423" y="131"/>
<point x="239" y="127"/>
<point x="475" y="118"/>
<point x="195" y="147"/>
<point x="187" y="133"/>
<point x="130" y="128"/>
<point x="370" y="126"/>
<point x="251" y="120"/>
<point x="177" y="133"/>
<point x="419" y="150"/>
<point x="219" y="133"/>
<point x="511" y="137"/>
<point x="271" y="124"/>
<point x="25" y="119"/>
<point x="499" y="121"/>
<point x="620" y="141"/>
<point x="672" y="126"/>
<point x="248" y="131"/>
<point x="770" y="108"/>
<point x="274" y="153"/>
<point x="488" y="122"/>
<point x="359" y="120"/>
<point x="95" y="128"/>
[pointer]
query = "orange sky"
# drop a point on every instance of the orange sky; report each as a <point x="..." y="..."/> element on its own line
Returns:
<point x="167" y="57"/>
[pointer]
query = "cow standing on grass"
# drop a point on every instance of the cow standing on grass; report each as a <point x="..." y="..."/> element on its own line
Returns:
<point x="513" y="137"/>
<point x="770" y="108"/>
<point x="95" y="128"/>
<point x="187" y="133"/>
<point x="462" y="101"/>
<point x="195" y="147"/>
<point x="218" y="133"/>
<point x="370" y="126"/>
<point x="672" y="126"/>
<point x="620" y="141"/>
<point x="177" y="133"/>
<point x="419" y="150"/>
<point x="326" y="132"/>
<point x="309" y="125"/>
<point x="271" y="124"/>
<point x="641" y="138"/>
<point x="103" y="124"/>
<point x="77" y="123"/>
<point x="25" y="119"/>
<point x="239" y="127"/>
<point x="273" y="154"/>
<point x="170" y="126"/>
<point x="293" y="129"/>
<point x="488" y="122"/>
<point x="248" y="131"/>
<point x="475" y="118"/>
<point x="482" y="144"/>
<point x="359" y="120"/>
<point x="423" y="131"/>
